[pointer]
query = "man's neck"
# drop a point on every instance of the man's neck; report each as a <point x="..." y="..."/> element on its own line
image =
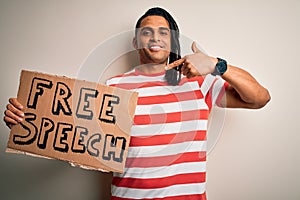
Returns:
<point x="152" y="68"/>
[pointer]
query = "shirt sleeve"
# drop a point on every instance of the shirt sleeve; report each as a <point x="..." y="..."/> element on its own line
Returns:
<point x="213" y="89"/>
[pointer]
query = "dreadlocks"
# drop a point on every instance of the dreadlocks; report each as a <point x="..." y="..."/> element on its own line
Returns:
<point x="172" y="76"/>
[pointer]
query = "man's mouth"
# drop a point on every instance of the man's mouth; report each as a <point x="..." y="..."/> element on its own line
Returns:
<point x="155" y="47"/>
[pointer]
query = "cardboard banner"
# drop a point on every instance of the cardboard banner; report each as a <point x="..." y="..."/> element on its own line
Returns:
<point x="85" y="123"/>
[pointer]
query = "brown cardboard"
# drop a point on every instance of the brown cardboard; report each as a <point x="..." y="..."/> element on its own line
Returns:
<point x="84" y="123"/>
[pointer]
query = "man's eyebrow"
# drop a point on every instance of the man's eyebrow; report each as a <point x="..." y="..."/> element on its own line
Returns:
<point x="151" y="28"/>
<point x="146" y="28"/>
<point x="164" y="28"/>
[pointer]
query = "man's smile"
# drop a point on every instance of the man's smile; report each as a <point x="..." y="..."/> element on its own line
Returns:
<point x="155" y="47"/>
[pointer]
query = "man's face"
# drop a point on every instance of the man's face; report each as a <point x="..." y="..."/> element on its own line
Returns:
<point x="153" y="40"/>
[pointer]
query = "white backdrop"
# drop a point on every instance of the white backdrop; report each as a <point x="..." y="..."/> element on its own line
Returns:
<point x="257" y="154"/>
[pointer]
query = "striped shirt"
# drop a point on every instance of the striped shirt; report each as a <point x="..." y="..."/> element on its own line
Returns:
<point x="167" y="150"/>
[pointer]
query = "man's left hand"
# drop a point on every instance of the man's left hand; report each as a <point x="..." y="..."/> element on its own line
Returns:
<point x="196" y="64"/>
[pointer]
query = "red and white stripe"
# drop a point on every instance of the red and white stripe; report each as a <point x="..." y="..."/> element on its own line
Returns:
<point x="167" y="151"/>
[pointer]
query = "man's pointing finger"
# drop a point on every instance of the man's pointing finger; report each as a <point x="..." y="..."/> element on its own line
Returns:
<point x="175" y="63"/>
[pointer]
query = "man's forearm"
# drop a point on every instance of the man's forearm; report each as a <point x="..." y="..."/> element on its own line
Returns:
<point x="244" y="89"/>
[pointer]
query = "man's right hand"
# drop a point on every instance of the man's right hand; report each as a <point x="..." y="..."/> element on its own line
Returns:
<point x="14" y="112"/>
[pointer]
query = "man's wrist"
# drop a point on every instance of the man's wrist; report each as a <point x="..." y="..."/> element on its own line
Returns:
<point x="220" y="67"/>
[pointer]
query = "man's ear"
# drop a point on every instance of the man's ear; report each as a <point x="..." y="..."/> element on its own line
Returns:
<point x="134" y="43"/>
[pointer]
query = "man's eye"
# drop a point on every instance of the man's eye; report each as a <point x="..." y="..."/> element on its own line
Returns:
<point x="146" y="33"/>
<point x="164" y="32"/>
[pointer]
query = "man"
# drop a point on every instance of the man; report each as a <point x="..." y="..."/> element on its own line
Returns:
<point x="167" y="151"/>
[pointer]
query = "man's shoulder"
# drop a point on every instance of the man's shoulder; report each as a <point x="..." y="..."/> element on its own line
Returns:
<point x="112" y="79"/>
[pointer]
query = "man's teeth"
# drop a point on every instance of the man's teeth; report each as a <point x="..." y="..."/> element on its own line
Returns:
<point x="155" y="47"/>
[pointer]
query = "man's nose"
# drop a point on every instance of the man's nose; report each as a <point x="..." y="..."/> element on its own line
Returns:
<point x="155" y="36"/>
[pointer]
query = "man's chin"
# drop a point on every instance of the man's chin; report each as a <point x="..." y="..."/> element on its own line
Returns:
<point x="158" y="59"/>
<point x="155" y="57"/>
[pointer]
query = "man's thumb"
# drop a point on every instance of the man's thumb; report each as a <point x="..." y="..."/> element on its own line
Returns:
<point x="194" y="48"/>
